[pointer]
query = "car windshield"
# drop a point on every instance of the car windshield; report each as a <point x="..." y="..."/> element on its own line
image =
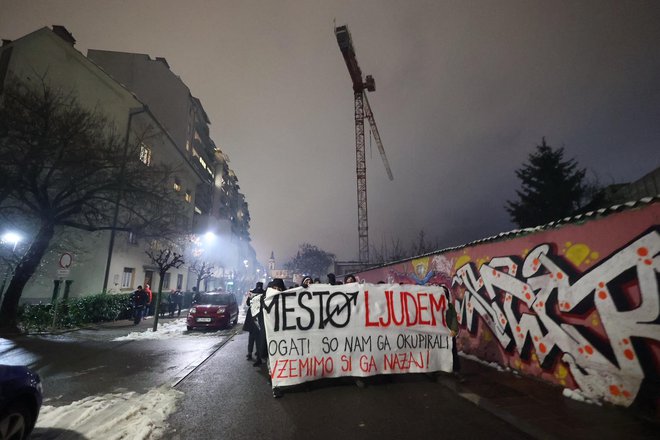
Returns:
<point x="216" y="300"/>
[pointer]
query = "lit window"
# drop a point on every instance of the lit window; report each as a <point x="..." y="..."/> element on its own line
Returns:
<point x="145" y="154"/>
<point x="203" y="162"/>
<point x="188" y="197"/>
<point x="197" y="210"/>
<point x="177" y="185"/>
<point x="127" y="278"/>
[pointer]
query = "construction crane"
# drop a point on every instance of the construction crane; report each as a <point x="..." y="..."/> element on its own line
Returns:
<point x="362" y="111"/>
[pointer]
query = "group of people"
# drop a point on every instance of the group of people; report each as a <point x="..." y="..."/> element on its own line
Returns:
<point x="254" y="319"/>
<point x="254" y="323"/>
<point x="143" y="303"/>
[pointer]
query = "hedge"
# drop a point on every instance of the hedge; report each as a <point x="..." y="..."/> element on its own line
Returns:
<point x="75" y="312"/>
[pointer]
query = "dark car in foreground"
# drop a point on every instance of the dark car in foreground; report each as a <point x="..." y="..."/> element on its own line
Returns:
<point x="20" y="401"/>
<point x="213" y="310"/>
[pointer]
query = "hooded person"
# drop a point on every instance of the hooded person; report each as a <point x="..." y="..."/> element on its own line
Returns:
<point x="306" y="282"/>
<point x="278" y="283"/>
<point x="249" y="325"/>
<point x="332" y="279"/>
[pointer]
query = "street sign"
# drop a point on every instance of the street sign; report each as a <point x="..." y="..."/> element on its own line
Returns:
<point x="65" y="260"/>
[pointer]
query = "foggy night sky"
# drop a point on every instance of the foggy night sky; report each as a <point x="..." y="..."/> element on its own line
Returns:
<point x="464" y="92"/>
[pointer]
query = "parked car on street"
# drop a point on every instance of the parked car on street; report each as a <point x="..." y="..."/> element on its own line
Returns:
<point x="20" y="401"/>
<point x="213" y="310"/>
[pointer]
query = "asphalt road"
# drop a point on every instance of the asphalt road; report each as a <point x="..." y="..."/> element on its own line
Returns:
<point x="225" y="397"/>
<point x="88" y="362"/>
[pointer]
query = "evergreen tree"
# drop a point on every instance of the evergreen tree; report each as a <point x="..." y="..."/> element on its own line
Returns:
<point x="552" y="188"/>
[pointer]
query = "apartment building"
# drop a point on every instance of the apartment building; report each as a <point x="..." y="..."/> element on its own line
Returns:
<point x="203" y="178"/>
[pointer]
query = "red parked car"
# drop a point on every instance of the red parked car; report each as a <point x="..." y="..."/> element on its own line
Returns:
<point x="213" y="310"/>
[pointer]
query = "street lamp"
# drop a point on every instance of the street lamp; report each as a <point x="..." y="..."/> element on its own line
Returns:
<point x="9" y="237"/>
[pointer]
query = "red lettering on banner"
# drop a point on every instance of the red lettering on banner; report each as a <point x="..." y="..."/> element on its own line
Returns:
<point x="421" y="308"/>
<point x="414" y="310"/>
<point x="307" y="367"/>
<point x="366" y="311"/>
<point x="405" y="361"/>
<point x="438" y="305"/>
<point x="367" y="363"/>
<point x="406" y="296"/>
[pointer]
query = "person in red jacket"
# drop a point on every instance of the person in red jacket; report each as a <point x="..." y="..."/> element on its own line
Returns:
<point x="147" y="289"/>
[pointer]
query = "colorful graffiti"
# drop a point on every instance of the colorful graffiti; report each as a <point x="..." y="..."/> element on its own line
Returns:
<point x="602" y="359"/>
<point x="583" y="318"/>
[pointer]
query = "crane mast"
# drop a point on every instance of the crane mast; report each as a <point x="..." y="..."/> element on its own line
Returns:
<point x="362" y="111"/>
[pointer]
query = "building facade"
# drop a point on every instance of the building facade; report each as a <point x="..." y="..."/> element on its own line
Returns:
<point x="179" y="136"/>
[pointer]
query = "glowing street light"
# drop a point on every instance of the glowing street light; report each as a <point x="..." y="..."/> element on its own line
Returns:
<point x="9" y="237"/>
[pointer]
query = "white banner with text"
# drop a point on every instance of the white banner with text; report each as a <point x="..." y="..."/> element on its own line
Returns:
<point x="356" y="329"/>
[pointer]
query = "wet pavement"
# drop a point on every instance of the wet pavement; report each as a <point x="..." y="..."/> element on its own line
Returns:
<point x="226" y="397"/>
<point x="540" y="410"/>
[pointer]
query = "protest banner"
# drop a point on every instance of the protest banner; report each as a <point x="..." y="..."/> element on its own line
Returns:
<point x="355" y="329"/>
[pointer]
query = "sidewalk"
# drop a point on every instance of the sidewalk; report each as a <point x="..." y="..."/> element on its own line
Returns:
<point x="540" y="409"/>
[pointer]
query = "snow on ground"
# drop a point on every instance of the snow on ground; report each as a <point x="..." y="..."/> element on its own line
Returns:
<point x="576" y="395"/>
<point x="495" y="365"/>
<point x="114" y="416"/>
<point x="172" y="328"/>
<point x="165" y="331"/>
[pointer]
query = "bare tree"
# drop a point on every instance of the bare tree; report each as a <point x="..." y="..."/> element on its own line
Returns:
<point x="422" y="245"/>
<point x="164" y="258"/>
<point x="310" y="260"/>
<point x="387" y="253"/>
<point x="202" y="269"/>
<point x="62" y="166"/>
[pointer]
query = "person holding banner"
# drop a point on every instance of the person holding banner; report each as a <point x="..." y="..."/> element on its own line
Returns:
<point x="452" y="324"/>
<point x="249" y="325"/>
<point x="262" y="344"/>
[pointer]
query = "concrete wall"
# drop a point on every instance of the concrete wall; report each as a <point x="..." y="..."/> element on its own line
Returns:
<point x="576" y="305"/>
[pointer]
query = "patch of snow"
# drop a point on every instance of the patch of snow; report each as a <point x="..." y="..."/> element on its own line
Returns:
<point x="494" y="365"/>
<point x="114" y="416"/>
<point x="165" y="331"/>
<point x="576" y="395"/>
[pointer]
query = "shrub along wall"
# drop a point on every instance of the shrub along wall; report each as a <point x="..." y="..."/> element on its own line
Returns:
<point x="75" y="312"/>
<point x="574" y="304"/>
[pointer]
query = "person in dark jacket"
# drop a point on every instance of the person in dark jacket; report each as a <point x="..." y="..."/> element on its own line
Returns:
<point x="178" y="301"/>
<point x="452" y="324"/>
<point x="249" y="325"/>
<point x="262" y="343"/>
<point x="140" y="299"/>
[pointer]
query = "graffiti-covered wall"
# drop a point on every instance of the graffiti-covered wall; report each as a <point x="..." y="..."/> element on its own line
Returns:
<point x="576" y="305"/>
